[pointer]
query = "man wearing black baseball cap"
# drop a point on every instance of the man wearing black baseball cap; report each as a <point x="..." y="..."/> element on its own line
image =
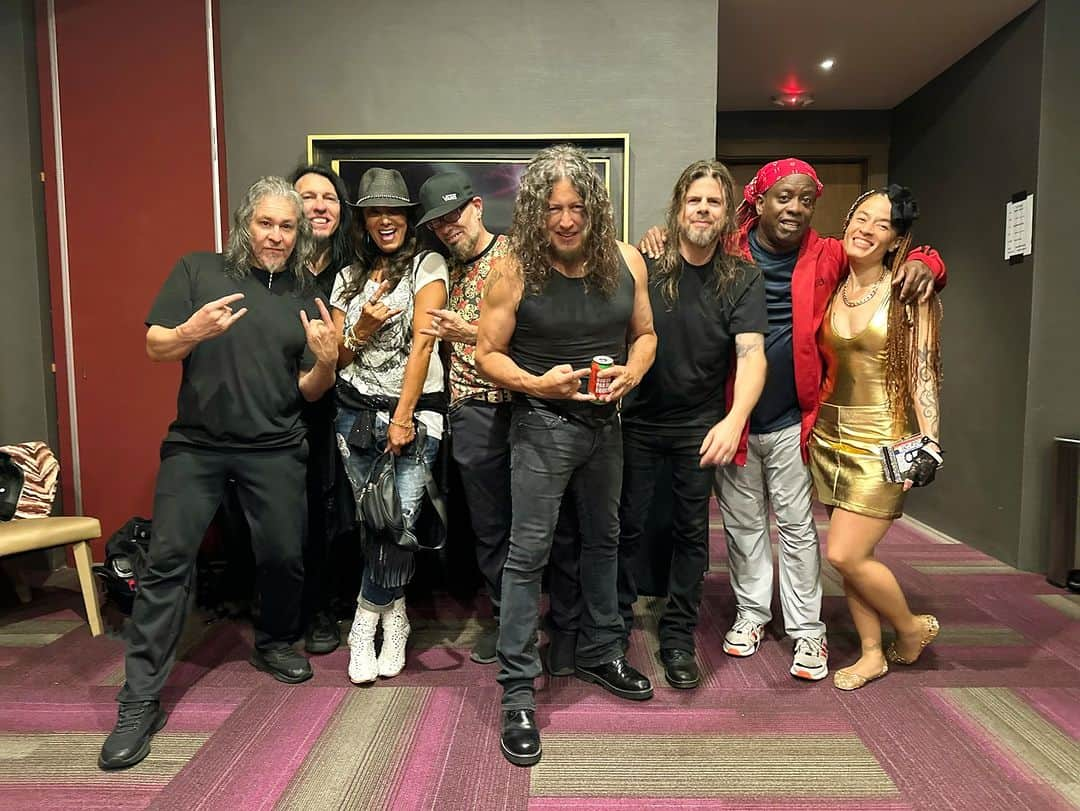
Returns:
<point x="480" y="416"/>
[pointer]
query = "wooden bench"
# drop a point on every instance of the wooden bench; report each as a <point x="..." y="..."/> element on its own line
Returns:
<point x="25" y="534"/>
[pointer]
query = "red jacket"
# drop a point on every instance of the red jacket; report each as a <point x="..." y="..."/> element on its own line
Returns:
<point x="817" y="273"/>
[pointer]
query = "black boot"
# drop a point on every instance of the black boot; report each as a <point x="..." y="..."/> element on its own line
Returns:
<point x="129" y="742"/>
<point x="520" y="741"/>
<point x="284" y="664"/>
<point x="680" y="669"/>
<point x="323" y="635"/>
<point x="618" y="678"/>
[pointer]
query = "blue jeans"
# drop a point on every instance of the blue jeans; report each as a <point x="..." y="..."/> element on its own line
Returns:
<point x="410" y="474"/>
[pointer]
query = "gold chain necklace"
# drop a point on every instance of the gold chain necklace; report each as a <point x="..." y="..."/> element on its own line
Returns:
<point x="867" y="297"/>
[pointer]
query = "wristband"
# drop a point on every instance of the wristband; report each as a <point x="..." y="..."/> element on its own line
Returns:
<point x="348" y="338"/>
<point x="400" y="424"/>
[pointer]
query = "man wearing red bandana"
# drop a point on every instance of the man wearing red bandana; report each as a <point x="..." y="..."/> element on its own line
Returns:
<point x="801" y="271"/>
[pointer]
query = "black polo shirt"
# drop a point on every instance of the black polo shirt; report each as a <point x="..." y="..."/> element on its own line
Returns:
<point x="239" y="389"/>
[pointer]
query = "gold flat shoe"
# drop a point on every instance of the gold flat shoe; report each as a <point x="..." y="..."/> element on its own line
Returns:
<point x="932" y="629"/>
<point x="850" y="680"/>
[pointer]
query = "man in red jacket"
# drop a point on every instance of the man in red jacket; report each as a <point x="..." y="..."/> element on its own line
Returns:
<point x="801" y="270"/>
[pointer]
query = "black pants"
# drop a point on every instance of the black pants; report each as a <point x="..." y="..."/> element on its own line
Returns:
<point x="321" y="581"/>
<point x="481" y="447"/>
<point x="689" y="539"/>
<point x="552" y="457"/>
<point x="190" y="484"/>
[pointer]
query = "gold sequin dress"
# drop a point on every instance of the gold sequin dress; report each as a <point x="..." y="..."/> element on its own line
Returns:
<point x="855" y="419"/>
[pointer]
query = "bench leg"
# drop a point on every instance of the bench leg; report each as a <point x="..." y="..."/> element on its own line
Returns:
<point x="84" y="564"/>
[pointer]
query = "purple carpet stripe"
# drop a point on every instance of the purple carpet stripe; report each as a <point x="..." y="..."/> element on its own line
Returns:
<point x="1059" y="707"/>
<point x="714" y="804"/>
<point x="251" y="760"/>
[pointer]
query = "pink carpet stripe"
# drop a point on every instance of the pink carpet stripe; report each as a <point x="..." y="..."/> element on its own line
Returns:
<point x="252" y="758"/>
<point x="1059" y="707"/>
<point x="430" y="750"/>
<point x="711" y="803"/>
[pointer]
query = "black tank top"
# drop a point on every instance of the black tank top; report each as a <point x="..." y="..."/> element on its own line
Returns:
<point x="566" y="324"/>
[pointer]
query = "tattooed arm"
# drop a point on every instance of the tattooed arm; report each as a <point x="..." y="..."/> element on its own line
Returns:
<point x="925" y="390"/>
<point x="723" y="438"/>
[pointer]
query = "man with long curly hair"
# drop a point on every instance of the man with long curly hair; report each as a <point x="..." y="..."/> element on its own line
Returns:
<point x="566" y="292"/>
<point x="239" y="322"/>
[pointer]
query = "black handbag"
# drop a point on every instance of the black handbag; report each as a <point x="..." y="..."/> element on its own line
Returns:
<point x="379" y="507"/>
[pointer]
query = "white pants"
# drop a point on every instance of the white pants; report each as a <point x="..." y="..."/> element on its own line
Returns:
<point x="774" y="473"/>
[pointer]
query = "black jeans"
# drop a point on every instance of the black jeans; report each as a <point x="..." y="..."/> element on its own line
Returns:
<point x="689" y="540"/>
<point x="480" y="441"/>
<point x="190" y="484"/>
<point x="552" y="457"/>
<point x="321" y="577"/>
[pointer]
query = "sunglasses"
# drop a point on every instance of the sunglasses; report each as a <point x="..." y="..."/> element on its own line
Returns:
<point x="447" y="218"/>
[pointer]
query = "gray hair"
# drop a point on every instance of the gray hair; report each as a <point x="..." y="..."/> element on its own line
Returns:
<point x="238" y="254"/>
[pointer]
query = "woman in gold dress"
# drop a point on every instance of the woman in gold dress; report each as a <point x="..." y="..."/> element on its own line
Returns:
<point x="882" y="366"/>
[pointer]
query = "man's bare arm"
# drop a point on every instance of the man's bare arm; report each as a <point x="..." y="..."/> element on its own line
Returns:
<point x="640" y="335"/>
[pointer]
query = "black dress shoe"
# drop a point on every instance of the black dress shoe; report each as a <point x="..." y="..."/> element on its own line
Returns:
<point x="284" y="664"/>
<point x="520" y="740"/>
<point x="559" y="653"/>
<point x="618" y="678"/>
<point x="680" y="669"/>
<point x="129" y="742"/>
<point x="323" y="635"/>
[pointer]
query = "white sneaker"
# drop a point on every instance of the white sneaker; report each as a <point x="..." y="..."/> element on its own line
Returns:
<point x="811" y="659"/>
<point x="744" y="638"/>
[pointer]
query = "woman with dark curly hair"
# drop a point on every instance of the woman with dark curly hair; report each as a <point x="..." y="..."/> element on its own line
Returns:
<point x="390" y="399"/>
<point x="882" y="363"/>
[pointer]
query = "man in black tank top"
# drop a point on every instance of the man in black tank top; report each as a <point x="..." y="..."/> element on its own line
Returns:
<point x="566" y="292"/>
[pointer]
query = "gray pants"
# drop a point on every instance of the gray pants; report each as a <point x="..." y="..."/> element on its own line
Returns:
<point x="552" y="457"/>
<point x="774" y="474"/>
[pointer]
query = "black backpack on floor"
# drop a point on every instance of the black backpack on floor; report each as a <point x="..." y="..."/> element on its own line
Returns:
<point x="125" y="559"/>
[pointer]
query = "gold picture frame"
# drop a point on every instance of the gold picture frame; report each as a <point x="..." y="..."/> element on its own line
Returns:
<point x="493" y="162"/>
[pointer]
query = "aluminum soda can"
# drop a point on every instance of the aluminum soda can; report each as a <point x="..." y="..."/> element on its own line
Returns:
<point x="599" y="386"/>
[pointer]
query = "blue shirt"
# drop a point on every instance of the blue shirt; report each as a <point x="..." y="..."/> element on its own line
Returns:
<point x="778" y="407"/>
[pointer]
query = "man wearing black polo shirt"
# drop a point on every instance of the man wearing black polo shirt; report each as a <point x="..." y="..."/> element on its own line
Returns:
<point x="705" y="303"/>
<point x="246" y="371"/>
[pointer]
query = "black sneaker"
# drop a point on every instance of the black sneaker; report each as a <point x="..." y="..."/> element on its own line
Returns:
<point x="483" y="652"/>
<point x="284" y="664"/>
<point x="129" y="742"/>
<point x="323" y="635"/>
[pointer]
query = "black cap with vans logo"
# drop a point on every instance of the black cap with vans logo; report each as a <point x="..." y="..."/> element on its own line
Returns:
<point x="442" y="193"/>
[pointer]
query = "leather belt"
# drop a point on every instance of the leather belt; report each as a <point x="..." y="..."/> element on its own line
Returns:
<point x="493" y="396"/>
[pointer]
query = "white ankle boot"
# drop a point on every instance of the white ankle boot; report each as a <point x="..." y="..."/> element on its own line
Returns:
<point x="363" y="667"/>
<point x="395" y="632"/>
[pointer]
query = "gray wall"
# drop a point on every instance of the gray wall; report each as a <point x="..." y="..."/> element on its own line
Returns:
<point x="411" y="66"/>
<point x="27" y="395"/>
<point x="1053" y="386"/>
<point x="965" y="143"/>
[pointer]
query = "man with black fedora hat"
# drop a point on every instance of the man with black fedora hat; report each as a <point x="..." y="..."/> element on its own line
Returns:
<point x="480" y="417"/>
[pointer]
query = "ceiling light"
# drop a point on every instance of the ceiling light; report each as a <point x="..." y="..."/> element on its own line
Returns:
<point x="793" y="100"/>
<point x="827" y="64"/>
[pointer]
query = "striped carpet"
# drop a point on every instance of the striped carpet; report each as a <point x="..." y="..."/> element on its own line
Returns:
<point x="989" y="719"/>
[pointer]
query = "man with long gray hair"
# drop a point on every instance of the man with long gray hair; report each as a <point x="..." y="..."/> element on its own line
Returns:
<point x="565" y="294"/>
<point x="251" y="355"/>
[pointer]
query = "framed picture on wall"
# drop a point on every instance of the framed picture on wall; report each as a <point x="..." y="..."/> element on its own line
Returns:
<point x="493" y="163"/>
